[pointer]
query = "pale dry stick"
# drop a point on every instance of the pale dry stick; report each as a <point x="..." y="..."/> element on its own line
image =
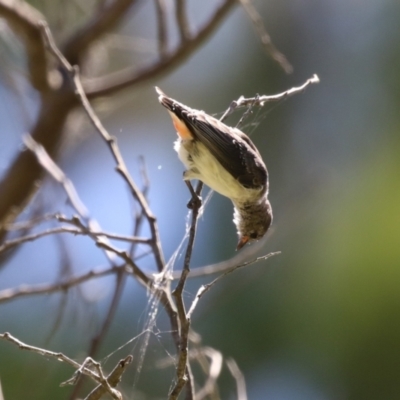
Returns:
<point x="142" y="278"/>
<point x="266" y="41"/>
<point x="78" y="223"/>
<point x="261" y="100"/>
<point x="89" y="362"/>
<point x="239" y="379"/>
<point x="111" y="142"/>
<point x="212" y="368"/>
<point x="205" y="288"/>
<point x="97" y="377"/>
<point x="107" y="384"/>
<point x="214" y="371"/>
<point x="57" y="174"/>
<point x="48" y="288"/>
<point x="113" y="378"/>
<point x="74" y="231"/>
<point x="9" y="244"/>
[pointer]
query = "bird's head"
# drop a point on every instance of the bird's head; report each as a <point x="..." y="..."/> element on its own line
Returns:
<point x="252" y="222"/>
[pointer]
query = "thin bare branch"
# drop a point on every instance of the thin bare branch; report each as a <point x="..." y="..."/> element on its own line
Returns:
<point x="24" y="21"/>
<point x="121" y="278"/>
<point x="9" y="244"/>
<point x="266" y="41"/>
<point x="137" y="272"/>
<point x="114" y="378"/>
<point x="88" y="231"/>
<point x="213" y="373"/>
<point x="47" y="353"/>
<point x="182" y="368"/>
<point x="74" y="231"/>
<point x="86" y="365"/>
<point x="239" y="378"/>
<point x="48" y="288"/>
<point x="131" y="76"/>
<point x="162" y="32"/>
<point x="222" y="266"/>
<point x="205" y="288"/>
<point x="105" y="19"/>
<point x="182" y="20"/>
<point x="261" y="100"/>
<point x="57" y="174"/>
<point x="112" y="144"/>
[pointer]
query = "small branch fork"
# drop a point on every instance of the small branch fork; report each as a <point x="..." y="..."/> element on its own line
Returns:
<point x="106" y="384"/>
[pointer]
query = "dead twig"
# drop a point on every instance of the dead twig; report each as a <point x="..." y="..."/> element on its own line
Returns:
<point x="205" y="288"/>
<point x="239" y="378"/>
<point x="213" y="372"/>
<point x="261" y="100"/>
<point x="114" y="378"/>
<point x="48" y="288"/>
<point x="84" y="368"/>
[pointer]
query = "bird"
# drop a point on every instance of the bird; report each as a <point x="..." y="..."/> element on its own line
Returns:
<point x="225" y="159"/>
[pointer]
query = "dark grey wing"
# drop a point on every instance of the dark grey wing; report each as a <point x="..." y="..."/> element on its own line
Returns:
<point x="238" y="156"/>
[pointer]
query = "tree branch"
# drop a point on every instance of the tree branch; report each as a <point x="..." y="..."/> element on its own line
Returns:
<point x="113" y="379"/>
<point x="205" y="288"/>
<point x="261" y="100"/>
<point x="107" y="384"/>
<point x="130" y="76"/>
<point x="48" y="288"/>
<point x="238" y="377"/>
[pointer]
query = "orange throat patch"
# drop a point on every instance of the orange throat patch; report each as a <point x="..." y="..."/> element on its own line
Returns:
<point x="181" y="128"/>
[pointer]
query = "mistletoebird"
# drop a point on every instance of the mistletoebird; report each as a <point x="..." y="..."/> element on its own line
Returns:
<point x="226" y="160"/>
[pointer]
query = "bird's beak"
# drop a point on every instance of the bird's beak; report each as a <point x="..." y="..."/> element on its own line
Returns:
<point x="242" y="241"/>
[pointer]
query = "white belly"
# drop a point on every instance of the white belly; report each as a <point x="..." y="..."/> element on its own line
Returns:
<point x="204" y="166"/>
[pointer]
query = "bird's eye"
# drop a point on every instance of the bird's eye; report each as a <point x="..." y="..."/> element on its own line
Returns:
<point x="253" y="235"/>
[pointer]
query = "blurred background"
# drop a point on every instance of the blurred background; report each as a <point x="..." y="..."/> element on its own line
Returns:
<point x="321" y="321"/>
